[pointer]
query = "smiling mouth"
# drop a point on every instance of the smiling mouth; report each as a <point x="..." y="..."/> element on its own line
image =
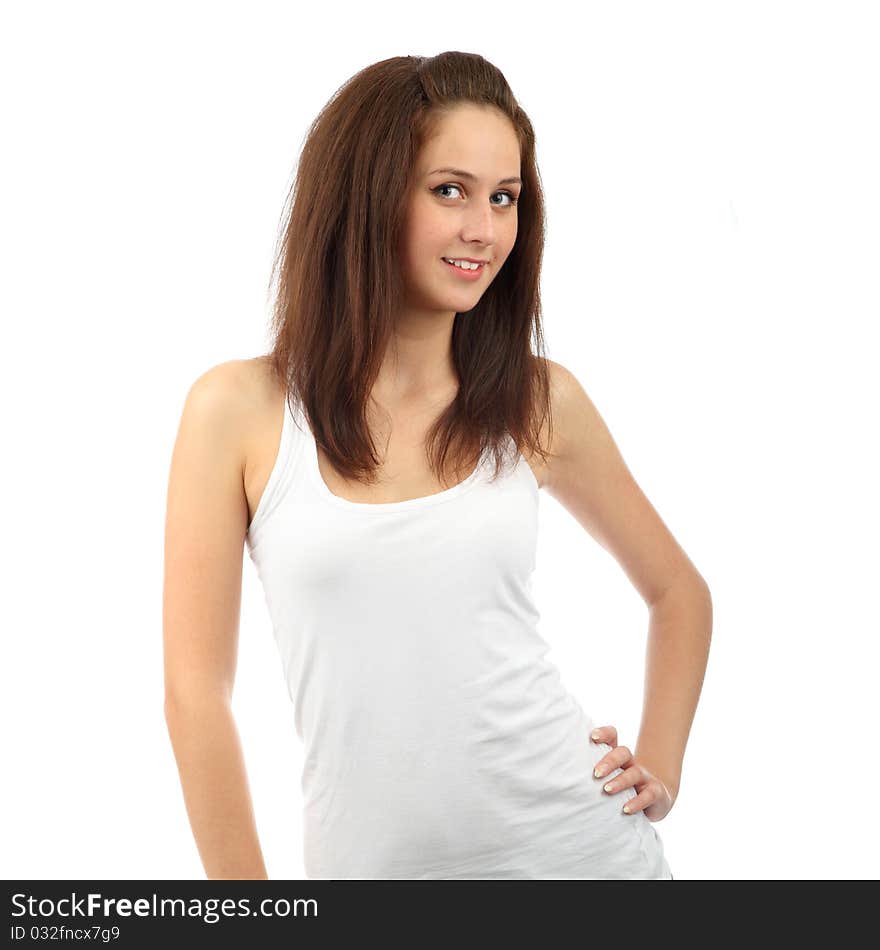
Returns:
<point x="467" y="271"/>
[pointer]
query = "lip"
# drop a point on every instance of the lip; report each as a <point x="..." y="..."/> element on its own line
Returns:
<point x="466" y="274"/>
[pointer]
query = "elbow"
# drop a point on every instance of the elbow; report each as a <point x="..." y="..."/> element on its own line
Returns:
<point x="185" y="705"/>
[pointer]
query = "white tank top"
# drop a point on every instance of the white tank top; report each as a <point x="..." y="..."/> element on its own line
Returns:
<point x="438" y="740"/>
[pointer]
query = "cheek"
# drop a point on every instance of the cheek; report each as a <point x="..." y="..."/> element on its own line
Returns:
<point x="425" y="250"/>
<point x="511" y="244"/>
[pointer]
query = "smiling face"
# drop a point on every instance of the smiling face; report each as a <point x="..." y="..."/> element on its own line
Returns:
<point x="470" y="212"/>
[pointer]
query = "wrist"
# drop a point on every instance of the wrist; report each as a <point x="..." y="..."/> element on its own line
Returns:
<point x="670" y="777"/>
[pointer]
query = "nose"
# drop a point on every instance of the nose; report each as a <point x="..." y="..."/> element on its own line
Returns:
<point x="479" y="224"/>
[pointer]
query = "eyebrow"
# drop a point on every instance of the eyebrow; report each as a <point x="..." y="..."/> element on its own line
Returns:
<point x="463" y="174"/>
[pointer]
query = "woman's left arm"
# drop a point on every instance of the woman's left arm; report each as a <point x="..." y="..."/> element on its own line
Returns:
<point x="588" y="476"/>
<point x="679" y="633"/>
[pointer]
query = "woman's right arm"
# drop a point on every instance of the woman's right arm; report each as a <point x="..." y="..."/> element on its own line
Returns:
<point x="205" y="527"/>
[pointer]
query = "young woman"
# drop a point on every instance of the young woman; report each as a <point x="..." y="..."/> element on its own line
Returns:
<point x="383" y="465"/>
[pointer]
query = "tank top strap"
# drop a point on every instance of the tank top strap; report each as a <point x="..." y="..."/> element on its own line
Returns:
<point x="283" y="474"/>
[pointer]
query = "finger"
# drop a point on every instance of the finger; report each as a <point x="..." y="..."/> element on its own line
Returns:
<point x="615" y="759"/>
<point x="606" y="734"/>
<point x="627" y="779"/>
<point x="641" y="801"/>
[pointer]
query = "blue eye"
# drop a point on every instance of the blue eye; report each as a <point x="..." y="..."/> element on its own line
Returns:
<point x="513" y="198"/>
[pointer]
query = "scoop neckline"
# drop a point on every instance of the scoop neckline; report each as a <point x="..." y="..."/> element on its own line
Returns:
<point x="379" y="507"/>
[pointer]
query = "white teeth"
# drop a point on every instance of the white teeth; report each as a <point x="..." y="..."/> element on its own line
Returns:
<point x="466" y="265"/>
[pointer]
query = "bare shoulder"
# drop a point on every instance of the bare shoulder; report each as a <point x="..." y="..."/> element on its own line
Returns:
<point x="552" y="435"/>
<point x="233" y="394"/>
<point x="233" y="403"/>
<point x="237" y="406"/>
<point x="259" y="417"/>
<point x="582" y="443"/>
<point x="589" y="477"/>
<point x="234" y="383"/>
<point x="564" y="385"/>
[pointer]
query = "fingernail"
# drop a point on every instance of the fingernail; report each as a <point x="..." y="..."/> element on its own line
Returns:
<point x="599" y="771"/>
<point x="594" y="735"/>
<point x="626" y="808"/>
<point x="608" y="786"/>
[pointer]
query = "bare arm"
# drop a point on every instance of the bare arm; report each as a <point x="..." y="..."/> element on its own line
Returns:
<point x="205" y="527"/>
<point x="592" y="481"/>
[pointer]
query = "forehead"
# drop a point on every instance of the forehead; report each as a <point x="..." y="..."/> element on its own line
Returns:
<point x="477" y="139"/>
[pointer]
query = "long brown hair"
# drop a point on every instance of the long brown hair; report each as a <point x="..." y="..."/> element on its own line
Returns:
<point x="339" y="285"/>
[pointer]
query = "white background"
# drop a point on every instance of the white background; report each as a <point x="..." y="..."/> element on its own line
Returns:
<point x="711" y="277"/>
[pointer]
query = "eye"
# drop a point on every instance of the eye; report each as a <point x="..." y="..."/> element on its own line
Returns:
<point x="513" y="197"/>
